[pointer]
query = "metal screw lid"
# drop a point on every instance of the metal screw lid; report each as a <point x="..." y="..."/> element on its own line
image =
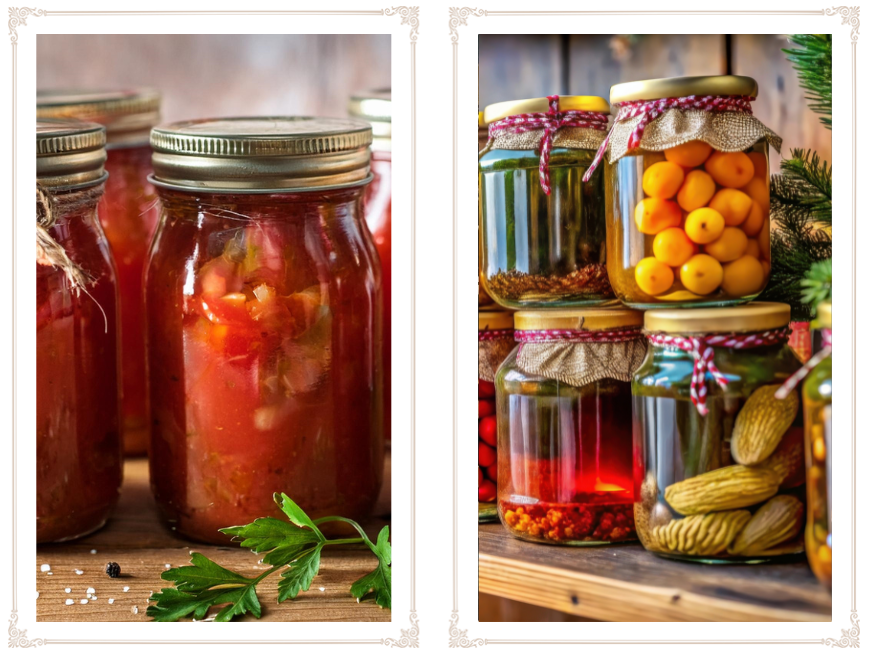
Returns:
<point x="69" y="154"/>
<point x="262" y="154"/>
<point x="375" y="107"/>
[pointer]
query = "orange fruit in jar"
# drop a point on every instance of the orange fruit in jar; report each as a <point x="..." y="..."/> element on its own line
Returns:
<point x="732" y="204"/>
<point x="753" y="249"/>
<point x="730" y="169"/>
<point x="764" y="239"/>
<point x="673" y="247"/>
<point x="653" y="277"/>
<point x="765" y="265"/>
<point x="652" y="215"/>
<point x="752" y="225"/>
<point x="743" y="276"/>
<point x="697" y="190"/>
<point x="689" y="155"/>
<point x="758" y="190"/>
<point x="701" y="275"/>
<point x="651" y="158"/>
<point x="704" y="225"/>
<point x="662" y="180"/>
<point x="730" y="245"/>
<point x="759" y="163"/>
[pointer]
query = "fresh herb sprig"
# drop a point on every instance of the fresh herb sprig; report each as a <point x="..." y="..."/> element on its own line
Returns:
<point x="292" y="547"/>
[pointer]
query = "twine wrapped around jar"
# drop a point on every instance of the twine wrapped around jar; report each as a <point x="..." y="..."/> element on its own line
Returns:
<point x="581" y="357"/>
<point x="493" y="347"/>
<point x="724" y="122"/>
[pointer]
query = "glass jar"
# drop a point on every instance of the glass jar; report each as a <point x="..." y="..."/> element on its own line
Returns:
<point x="483" y="299"/>
<point x="818" y="420"/>
<point x="78" y="443"/>
<point x="495" y="340"/>
<point x="375" y="107"/>
<point x="128" y="214"/>
<point x="542" y="236"/>
<point x="563" y="401"/>
<point x="264" y="322"/>
<point x="718" y="461"/>
<point x="688" y="198"/>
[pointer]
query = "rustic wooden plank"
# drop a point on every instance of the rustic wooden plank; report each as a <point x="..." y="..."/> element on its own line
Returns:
<point x="139" y="542"/>
<point x="781" y="104"/>
<point x="499" y="609"/>
<point x="628" y="584"/>
<point x="516" y="66"/>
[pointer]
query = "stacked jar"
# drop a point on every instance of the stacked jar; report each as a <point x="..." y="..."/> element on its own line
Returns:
<point x="78" y="428"/>
<point x="483" y="299"/>
<point x="128" y="214"/>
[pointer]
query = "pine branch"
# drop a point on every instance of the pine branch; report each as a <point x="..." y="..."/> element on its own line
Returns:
<point x="813" y="61"/>
<point x="804" y="187"/>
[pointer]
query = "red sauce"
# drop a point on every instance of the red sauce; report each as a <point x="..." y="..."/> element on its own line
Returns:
<point x="264" y="358"/>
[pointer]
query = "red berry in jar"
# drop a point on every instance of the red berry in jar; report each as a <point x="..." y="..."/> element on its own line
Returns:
<point x="492" y="473"/>
<point x="485" y="408"/>
<point x="485" y="389"/>
<point x="485" y="455"/>
<point x="479" y="477"/>
<point x="486" y="492"/>
<point x="486" y="429"/>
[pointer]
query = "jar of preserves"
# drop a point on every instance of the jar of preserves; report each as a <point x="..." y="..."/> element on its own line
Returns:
<point x="264" y="322"/>
<point x="375" y="107"/>
<point x="719" y="457"/>
<point x="564" y="426"/>
<point x="483" y="299"/>
<point x="78" y="443"/>
<point x="542" y="229"/>
<point x="128" y="213"/>
<point x="687" y="193"/>
<point x="495" y="341"/>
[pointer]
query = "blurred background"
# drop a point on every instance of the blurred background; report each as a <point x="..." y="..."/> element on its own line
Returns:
<point x="514" y="66"/>
<point x="221" y="74"/>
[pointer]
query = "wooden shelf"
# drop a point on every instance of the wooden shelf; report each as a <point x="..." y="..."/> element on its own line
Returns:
<point x="629" y="584"/>
<point x="137" y="539"/>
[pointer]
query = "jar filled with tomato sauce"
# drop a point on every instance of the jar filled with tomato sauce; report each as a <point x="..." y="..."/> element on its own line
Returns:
<point x="78" y="447"/>
<point x="128" y="214"/>
<point x="375" y="107"/>
<point x="264" y="322"/>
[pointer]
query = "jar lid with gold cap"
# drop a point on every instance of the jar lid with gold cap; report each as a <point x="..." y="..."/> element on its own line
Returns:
<point x="69" y="154"/>
<point x="749" y="318"/>
<point x="502" y="110"/>
<point x="482" y="131"/>
<point x="268" y="154"/>
<point x="579" y="319"/>
<point x="127" y="114"/>
<point x="376" y="108"/>
<point x="495" y="320"/>
<point x="679" y="87"/>
<point x="823" y="315"/>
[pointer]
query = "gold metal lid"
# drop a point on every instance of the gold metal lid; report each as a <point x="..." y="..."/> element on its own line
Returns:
<point x="823" y="314"/>
<point x="740" y="319"/>
<point x="481" y="122"/>
<point x="69" y="154"/>
<point x="580" y="319"/>
<point x="501" y="110"/>
<point x="128" y="115"/>
<point x="677" y="87"/>
<point x="498" y="320"/>
<point x="263" y="154"/>
<point x="376" y="108"/>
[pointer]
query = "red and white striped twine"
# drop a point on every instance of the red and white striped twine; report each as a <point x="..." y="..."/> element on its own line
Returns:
<point x="701" y="348"/>
<point x="550" y="122"/>
<point x="576" y="336"/>
<point x="650" y="110"/>
<point x="492" y="335"/>
<point x="804" y="371"/>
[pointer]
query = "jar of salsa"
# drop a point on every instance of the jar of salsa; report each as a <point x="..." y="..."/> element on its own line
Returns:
<point x="495" y="341"/>
<point x="687" y="193"/>
<point x="264" y="322"/>
<point x="719" y="458"/>
<point x="375" y="107"/>
<point x="542" y="228"/>
<point x="128" y="213"/>
<point x="78" y="443"/>
<point x="563" y="401"/>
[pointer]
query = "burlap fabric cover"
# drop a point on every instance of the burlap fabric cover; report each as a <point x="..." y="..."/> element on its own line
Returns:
<point x="726" y="131"/>
<point x="491" y="353"/>
<point x="567" y="137"/>
<point x="579" y="364"/>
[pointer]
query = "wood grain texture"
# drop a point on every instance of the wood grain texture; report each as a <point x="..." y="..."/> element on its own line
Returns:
<point x="202" y="75"/>
<point x="628" y="584"/>
<point x="136" y="538"/>
<point x="516" y="66"/>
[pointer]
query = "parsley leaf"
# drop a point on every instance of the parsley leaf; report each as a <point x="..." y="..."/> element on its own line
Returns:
<point x="380" y="581"/>
<point x="268" y="533"/>
<point x="295" y="513"/>
<point x="300" y="575"/>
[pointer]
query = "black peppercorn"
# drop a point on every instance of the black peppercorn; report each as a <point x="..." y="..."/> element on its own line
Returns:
<point x="113" y="570"/>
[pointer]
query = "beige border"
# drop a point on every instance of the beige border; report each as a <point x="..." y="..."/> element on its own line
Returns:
<point x="465" y="29"/>
<point x="333" y="638"/>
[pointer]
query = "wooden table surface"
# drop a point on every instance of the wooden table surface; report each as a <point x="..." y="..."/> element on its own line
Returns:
<point x="140" y="543"/>
<point x="629" y="584"/>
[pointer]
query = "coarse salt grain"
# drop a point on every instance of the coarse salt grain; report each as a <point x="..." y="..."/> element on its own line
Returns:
<point x="67" y="590"/>
<point x="90" y="591"/>
<point x="45" y="568"/>
<point x="135" y="610"/>
<point x="94" y="598"/>
<point x="126" y="588"/>
<point x="49" y="573"/>
<point x="78" y="572"/>
<point x="84" y="601"/>
<point x="93" y="551"/>
<point x="167" y="566"/>
<point x="69" y="602"/>
<point x="37" y="594"/>
<point x="111" y="601"/>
